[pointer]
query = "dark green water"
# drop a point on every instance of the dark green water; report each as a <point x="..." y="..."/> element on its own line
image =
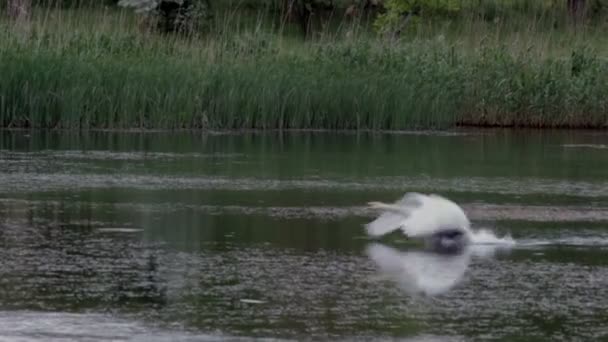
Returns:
<point x="189" y="236"/>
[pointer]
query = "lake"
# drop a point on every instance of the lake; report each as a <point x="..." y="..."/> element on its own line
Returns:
<point x="199" y="236"/>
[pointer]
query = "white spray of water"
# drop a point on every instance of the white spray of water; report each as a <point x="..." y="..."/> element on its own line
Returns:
<point x="487" y="237"/>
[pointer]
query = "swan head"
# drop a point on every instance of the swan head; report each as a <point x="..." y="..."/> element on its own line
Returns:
<point x="448" y="241"/>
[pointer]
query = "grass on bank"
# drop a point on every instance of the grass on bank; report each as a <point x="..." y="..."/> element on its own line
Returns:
<point x="95" y="69"/>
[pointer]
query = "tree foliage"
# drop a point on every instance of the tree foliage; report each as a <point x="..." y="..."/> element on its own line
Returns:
<point x="172" y="15"/>
<point x="391" y="16"/>
<point x="399" y="12"/>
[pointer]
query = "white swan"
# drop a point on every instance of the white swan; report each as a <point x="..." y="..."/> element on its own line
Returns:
<point x="437" y="220"/>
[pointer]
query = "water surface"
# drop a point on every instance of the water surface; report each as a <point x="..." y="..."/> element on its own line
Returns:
<point x="190" y="236"/>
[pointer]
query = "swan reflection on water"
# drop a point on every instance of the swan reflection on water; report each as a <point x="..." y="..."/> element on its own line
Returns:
<point x="427" y="272"/>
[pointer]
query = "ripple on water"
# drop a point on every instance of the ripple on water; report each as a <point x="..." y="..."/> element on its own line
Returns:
<point x="53" y="155"/>
<point x="159" y="293"/>
<point x="34" y="326"/>
<point x="320" y="294"/>
<point x="475" y="211"/>
<point x="25" y="181"/>
<point x="595" y="146"/>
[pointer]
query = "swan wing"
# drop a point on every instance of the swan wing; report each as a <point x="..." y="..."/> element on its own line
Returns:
<point x="393" y="215"/>
<point x="418" y="215"/>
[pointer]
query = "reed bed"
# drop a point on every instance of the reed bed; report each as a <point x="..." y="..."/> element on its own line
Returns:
<point x="98" y="70"/>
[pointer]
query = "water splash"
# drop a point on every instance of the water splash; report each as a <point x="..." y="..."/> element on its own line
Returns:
<point x="487" y="237"/>
<point x="572" y="241"/>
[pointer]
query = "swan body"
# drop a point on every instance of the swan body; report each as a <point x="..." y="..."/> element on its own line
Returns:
<point x="437" y="220"/>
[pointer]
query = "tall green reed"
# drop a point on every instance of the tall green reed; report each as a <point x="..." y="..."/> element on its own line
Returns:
<point x="100" y="71"/>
